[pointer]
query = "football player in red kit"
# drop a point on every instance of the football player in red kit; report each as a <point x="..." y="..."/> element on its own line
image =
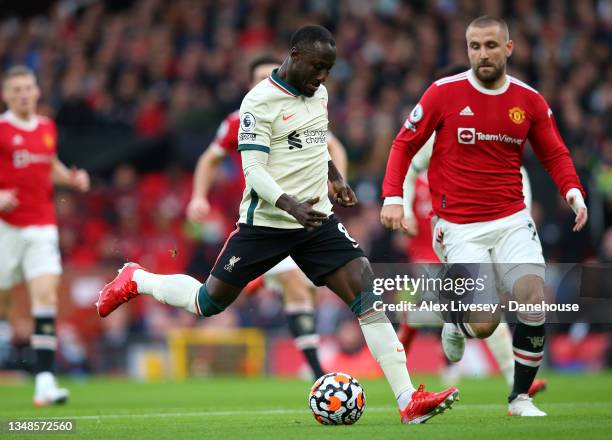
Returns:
<point x="418" y="218"/>
<point x="482" y="119"/>
<point x="29" y="247"/>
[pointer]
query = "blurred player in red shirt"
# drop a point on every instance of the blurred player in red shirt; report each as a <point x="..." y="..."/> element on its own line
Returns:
<point x="29" y="244"/>
<point x="298" y="292"/>
<point x="482" y="119"/>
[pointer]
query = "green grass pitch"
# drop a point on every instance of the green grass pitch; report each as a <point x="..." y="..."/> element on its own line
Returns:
<point x="579" y="406"/>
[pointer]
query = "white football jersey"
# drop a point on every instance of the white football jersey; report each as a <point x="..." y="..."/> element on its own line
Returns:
<point x="292" y="128"/>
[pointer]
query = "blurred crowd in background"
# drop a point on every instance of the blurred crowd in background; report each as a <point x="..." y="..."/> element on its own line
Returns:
<point x="138" y="89"/>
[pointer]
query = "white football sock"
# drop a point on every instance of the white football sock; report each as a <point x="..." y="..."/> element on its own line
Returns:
<point x="389" y="353"/>
<point x="176" y="290"/>
<point x="500" y="344"/>
<point x="44" y="381"/>
<point x="404" y="398"/>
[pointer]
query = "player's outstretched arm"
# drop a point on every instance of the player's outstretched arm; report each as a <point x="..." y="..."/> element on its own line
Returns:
<point x="203" y="177"/>
<point x="76" y="178"/>
<point x="342" y="192"/>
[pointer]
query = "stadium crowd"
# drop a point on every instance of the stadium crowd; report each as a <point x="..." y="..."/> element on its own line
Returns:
<point x="138" y="89"/>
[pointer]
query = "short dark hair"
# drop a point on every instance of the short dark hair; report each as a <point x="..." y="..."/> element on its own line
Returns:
<point x="306" y="36"/>
<point x="17" y="70"/>
<point x="489" y="20"/>
<point x="260" y="61"/>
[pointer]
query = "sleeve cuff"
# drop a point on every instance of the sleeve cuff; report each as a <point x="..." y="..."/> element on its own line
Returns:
<point x="393" y="200"/>
<point x="251" y="147"/>
<point x="578" y="199"/>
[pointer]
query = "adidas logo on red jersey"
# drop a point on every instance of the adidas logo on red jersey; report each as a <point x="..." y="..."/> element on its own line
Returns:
<point x="467" y="111"/>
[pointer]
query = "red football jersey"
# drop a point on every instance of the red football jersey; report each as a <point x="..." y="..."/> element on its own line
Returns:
<point x="228" y="191"/>
<point x="27" y="150"/>
<point x="227" y="139"/>
<point x="474" y="173"/>
<point x="420" y="247"/>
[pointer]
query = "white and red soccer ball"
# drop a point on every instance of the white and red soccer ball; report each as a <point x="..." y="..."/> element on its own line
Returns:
<point x="337" y="399"/>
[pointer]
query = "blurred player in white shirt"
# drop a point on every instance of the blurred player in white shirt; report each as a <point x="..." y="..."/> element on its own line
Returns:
<point x="298" y="292"/>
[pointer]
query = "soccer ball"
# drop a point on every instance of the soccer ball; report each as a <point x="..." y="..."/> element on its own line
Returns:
<point x="337" y="399"/>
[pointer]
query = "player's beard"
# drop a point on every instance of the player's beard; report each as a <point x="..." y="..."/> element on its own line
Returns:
<point x="494" y="73"/>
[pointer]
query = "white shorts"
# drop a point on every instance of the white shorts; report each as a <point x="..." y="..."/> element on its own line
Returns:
<point x="271" y="281"/>
<point x="511" y="244"/>
<point x="27" y="253"/>
<point x="284" y="266"/>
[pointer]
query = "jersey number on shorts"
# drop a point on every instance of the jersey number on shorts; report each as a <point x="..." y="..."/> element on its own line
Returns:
<point x="342" y="229"/>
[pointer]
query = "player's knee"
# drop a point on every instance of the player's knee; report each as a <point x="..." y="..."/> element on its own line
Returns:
<point x="529" y="289"/>
<point x="295" y="290"/>
<point x="360" y="276"/>
<point x="483" y="330"/>
<point x="44" y="298"/>
<point x="219" y="291"/>
<point x="43" y="291"/>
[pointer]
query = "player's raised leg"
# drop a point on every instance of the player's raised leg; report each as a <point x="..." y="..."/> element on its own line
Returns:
<point x="247" y="254"/>
<point x="177" y="290"/>
<point x="352" y="282"/>
<point x="133" y="280"/>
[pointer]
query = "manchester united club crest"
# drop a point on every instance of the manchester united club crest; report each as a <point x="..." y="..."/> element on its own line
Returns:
<point x="48" y="141"/>
<point x="517" y="115"/>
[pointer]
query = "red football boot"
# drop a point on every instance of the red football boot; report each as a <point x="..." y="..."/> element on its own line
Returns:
<point x="537" y="386"/>
<point x="424" y="405"/>
<point x="120" y="290"/>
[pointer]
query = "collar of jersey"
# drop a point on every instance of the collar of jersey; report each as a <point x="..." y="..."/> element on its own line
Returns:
<point x="283" y="85"/>
<point x="474" y="82"/>
<point x="29" y="125"/>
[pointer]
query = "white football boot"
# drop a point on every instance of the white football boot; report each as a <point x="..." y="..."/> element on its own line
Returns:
<point x="522" y="405"/>
<point x="47" y="392"/>
<point x="453" y="342"/>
